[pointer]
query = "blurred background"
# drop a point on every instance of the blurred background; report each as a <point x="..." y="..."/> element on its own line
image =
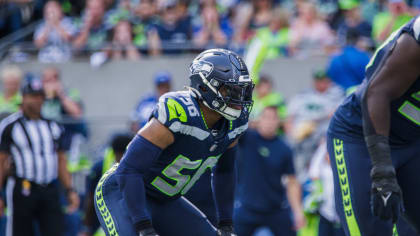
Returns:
<point x="104" y="63"/>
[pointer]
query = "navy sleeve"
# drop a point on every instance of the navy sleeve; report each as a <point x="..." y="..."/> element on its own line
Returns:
<point x="137" y="160"/>
<point x="223" y="183"/>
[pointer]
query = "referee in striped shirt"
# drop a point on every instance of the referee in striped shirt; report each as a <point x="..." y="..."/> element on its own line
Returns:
<point x="37" y="159"/>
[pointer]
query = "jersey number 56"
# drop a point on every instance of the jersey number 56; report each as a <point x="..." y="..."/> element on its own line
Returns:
<point x="183" y="182"/>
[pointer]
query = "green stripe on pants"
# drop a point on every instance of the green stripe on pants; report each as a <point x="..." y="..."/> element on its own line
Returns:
<point x="106" y="215"/>
<point x="345" y="188"/>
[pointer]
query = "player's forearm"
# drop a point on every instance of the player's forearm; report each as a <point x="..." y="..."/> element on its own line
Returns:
<point x="138" y="159"/>
<point x="3" y="158"/>
<point x="224" y="179"/>
<point x="131" y="185"/>
<point x="294" y="195"/>
<point x="224" y="192"/>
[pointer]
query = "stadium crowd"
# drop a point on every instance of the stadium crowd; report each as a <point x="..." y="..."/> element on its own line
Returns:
<point x="347" y="31"/>
<point x="131" y="29"/>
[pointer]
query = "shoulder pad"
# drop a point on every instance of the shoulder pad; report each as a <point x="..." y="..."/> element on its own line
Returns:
<point x="179" y="113"/>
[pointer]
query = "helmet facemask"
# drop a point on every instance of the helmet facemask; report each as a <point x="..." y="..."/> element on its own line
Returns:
<point x="232" y="100"/>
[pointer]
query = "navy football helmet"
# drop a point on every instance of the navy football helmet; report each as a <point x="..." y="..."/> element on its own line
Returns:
<point x="221" y="80"/>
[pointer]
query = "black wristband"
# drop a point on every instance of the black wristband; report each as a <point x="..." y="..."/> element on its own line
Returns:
<point x="380" y="154"/>
<point x="226" y="222"/>
<point x="142" y="225"/>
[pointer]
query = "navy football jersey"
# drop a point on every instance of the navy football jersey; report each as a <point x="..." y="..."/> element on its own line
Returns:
<point x="196" y="148"/>
<point x="405" y="111"/>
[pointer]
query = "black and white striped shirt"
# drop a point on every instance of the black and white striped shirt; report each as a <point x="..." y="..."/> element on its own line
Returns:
<point x="33" y="145"/>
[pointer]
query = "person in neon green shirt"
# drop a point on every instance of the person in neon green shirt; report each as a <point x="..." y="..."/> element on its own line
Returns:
<point x="268" y="43"/>
<point x="264" y="96"/>
<point x="10" y="98"/>
<point x="389" y="21"/>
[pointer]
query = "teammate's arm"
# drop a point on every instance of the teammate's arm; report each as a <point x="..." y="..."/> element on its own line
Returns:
<point x="224" y="177"/>
<point x="294" y="195"/>
<point x="141" y="154"/>
<point x="3" y="170"/>
<point x="392" y="80"/>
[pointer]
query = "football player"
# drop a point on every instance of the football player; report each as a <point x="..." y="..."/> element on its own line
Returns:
<point x="189" y="133"/>
<point x="374" y="140"/>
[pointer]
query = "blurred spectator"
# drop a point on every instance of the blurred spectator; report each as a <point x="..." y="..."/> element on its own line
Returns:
<point x="66" y="108"/>
<point x="251" y="18"/>
<point x="268" y="43"/>
<point x="213" y="31"/>
<point x="122" y="43"/>
<point x="264" y="167"/>
<point x="353" y="21"/>
<point x="112" y="155"/>
<point x="309" y="32"/>
<point x="93" y="32"/>
<point x="123" y="11"/>
<point x="144" y="17"/>
<point x="263" y="97"/>
<point x="54" y="34"/>
<point x="10" y="98"/>
<point x="386" y="22"/>
<point x="308" y="117"/>
<point x="347" y="68"/>
<point x="321" y="200"/>
<point x="141" y="114"/>
<point x="171" y="34"/>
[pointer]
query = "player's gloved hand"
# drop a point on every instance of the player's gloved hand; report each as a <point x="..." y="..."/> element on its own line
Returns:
<point x="148" y="232"/>
<point x="226" y="231"/>
<point x="225" y="228"/>
<point x="386" y="197"/>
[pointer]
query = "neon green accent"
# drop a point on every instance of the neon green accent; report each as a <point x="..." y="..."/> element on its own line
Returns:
<point x="348" y="4"/>
<point x="11" y="105"/>
<point x="74" y="95"/>
<point x="66" y="7"/>
<point x="416" y="96"/>
<point x="100" y="202"/>
<point x="382" y="19"/>
<point x="264" y="151"/>
<point x="83" y="164"/>
<point x="109" y="160"/>
<point x="352" y="225"/>
<point x="179" y="184"/>
<point x="204" y="120"/>
<point x="99" y="232"/>
<point x="312" y="202"/>
<point x="407" y="103"/>
<point x="272" y="99"/>
<point x="176" y="111"/>
<point x="311" y="227"/>
<point x="395" y="231"/>
<point x="351" y="89"/>
<point x="230" y="125"/>
<point x="268" y="44"/>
